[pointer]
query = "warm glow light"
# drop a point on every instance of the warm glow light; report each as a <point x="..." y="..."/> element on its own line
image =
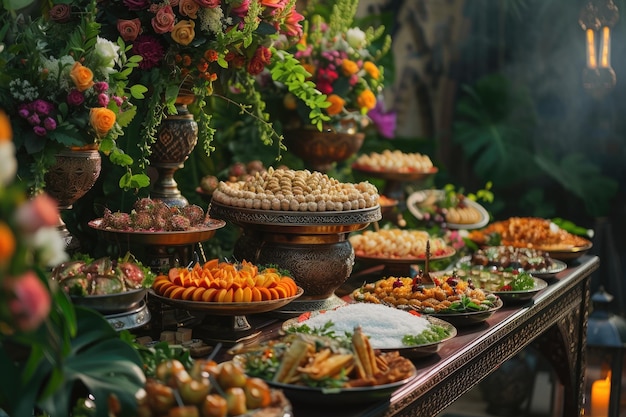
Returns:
<point x="600" y="394"/>
<point x="605" y="48"/>
<point x="591" y="49"/>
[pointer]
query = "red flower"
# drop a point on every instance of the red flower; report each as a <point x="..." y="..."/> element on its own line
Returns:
<point x="150" y="49"/>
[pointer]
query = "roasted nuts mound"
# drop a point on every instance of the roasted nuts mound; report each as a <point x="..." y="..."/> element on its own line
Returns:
<point x="395" y="161"/>
<point x="290" y="190"/>
<point x="397" y="243"/>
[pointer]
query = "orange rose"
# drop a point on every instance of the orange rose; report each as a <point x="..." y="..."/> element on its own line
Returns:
<point x="82" y="76"/>
<point x="371" y="69"/>
<point x="349" y="67"/>
<point x="188" y="8"/>
<point x="7" y="243"/>
<point x="366" y="100"/>
<point x="183" y="32"/>
<point x="336" y="104"/>
<point x="6" y="133"/>
<point x="102" y="120"/>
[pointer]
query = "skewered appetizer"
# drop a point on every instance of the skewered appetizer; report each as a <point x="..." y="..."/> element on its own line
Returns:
<point x="324" y="362"/>
<point x="289" y="190"/>
<point x="394" y="161"/>
<point x="225" y="282"/>
<point x="529" y="232"/>
<point x="528" y="259"/>
<point x="398" y="243"/>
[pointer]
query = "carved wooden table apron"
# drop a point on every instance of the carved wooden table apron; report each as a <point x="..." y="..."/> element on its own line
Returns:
<point x="555" y="322"/>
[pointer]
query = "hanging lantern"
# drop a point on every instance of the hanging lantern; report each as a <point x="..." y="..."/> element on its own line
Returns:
<point x="605" y="376"/>
<point x="597" y="18"/>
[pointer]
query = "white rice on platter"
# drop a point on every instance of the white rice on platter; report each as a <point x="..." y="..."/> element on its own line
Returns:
<point x="385" y="326"/>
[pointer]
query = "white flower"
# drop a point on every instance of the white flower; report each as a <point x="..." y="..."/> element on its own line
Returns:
<point x="50" y="245"/>
<point x="356" y="38"/>
<point x="8" y="163"/>
<point x="108" y="52"/>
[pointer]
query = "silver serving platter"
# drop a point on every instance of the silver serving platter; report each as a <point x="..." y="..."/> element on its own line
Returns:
<point x="122" y="302"/>
<point x="298" y="222"/>
<point x="413" y="351"/>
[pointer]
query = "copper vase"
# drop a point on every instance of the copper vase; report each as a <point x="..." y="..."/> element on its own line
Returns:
<point x="321" y="149"/>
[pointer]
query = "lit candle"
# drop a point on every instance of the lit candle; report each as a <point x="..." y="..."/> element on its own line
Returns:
<point x="600" y="393"/>
<point x="605" y="48"/>
<point x="591" y="49"/>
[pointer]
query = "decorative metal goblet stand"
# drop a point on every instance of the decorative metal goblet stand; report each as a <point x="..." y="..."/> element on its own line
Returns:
<point x="313" y="246"/>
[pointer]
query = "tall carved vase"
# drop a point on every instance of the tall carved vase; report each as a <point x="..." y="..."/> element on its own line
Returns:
<point x="177" y="136"/>
<point x="70" y="178"/>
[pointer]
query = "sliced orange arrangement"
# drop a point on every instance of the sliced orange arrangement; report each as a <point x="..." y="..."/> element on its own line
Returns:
<point x="225" y="282"/>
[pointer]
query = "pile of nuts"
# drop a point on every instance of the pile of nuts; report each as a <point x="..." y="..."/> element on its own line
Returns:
<point x="291" y="190"/>
<point x="394" y="161"/>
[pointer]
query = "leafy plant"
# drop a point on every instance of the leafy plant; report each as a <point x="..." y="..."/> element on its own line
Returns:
<point x="495" y="123"/>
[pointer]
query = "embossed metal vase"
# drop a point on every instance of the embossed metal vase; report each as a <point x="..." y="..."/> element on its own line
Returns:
<point x="70" y="178"/>
<point x="177" y="137"/>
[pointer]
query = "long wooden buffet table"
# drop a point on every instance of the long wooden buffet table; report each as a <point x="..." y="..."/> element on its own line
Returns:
<point x="554" y="322"/>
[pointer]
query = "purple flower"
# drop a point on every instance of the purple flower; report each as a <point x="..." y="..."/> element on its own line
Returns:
<point x="42" y="107"/>
<point x="75" y="98"/>
<point x="40" y="131"/>
<point x="101" y="86"/>
<point x="23" y="111"/>
<point x="34" y="119"/>
<point x="103" y="100"/>
<point x="149" y="48"/>
<point x="49" y="123"/>
<point x="118" y="100"/>
<point x="385" y="121"/>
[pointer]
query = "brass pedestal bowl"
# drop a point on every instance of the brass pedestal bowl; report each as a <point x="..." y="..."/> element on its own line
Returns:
<point x="312" y="246"/>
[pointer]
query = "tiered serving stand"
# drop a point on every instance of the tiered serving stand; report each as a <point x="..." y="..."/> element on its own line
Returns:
<point x="312" y="246"/>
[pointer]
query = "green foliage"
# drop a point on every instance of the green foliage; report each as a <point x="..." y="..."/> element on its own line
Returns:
<point x="495" y="124"/>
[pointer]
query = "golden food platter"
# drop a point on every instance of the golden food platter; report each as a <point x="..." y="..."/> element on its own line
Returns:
<point x="184" y="237"/>
<point x="230" y="308"/>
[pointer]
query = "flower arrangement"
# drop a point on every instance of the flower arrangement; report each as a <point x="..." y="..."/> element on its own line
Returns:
<point x="210" y="48"/>
<point x="342" y="60"/>
<point x="48" y="347"/>
<point x="65" y="87"/>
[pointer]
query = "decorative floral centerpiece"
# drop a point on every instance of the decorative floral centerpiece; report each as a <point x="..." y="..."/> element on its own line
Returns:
<point x="343" y="62"/>
<point x="64" y="87"/>
<point x="49" y="348"/>
<point x="211" y="48"/>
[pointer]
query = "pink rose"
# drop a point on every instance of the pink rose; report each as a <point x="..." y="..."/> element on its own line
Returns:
<point x="40" y="211"/>
<point x="242" y="9"/>
<point x="40" y="130"/>
<point x="164" y="20"/>
<point x="209" y="4"/>
<point x="60" y="13"/>
<point x="103" y="100"/>
<point x="34" y="119"/>
<point x="49" y="123"/>
<point x="129" y="29"/>
<point x="31" y="304"/>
